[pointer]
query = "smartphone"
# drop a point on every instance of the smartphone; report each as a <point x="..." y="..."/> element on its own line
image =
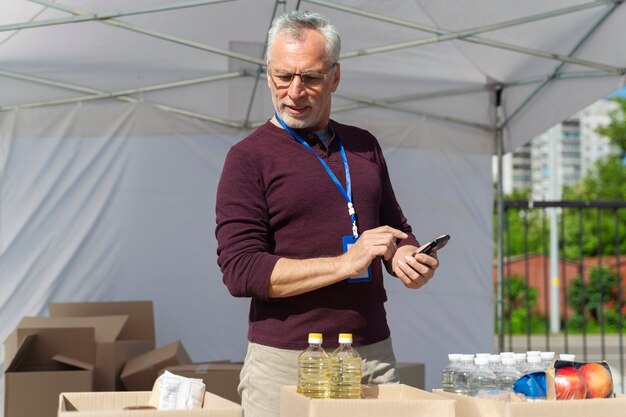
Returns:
<point x="434" y="246"/>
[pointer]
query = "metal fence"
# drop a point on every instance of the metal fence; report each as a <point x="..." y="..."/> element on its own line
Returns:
<point x="576" y="228"/>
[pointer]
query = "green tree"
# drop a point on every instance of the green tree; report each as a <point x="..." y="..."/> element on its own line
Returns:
<point x="516" y="220"/>
<point x="605" y="182"/>
<point x="520" y="305"/>
<point x="596" y="300"/>
<point x="616" y="129"/>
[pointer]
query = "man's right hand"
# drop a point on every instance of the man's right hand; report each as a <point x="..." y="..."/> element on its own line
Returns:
<point x="380" y="241"/>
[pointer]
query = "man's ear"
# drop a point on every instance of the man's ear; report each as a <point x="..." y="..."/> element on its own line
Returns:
<point x="337" y="76"/>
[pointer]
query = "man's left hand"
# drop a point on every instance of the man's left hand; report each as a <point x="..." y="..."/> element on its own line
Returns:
<point x="414" y="271"/>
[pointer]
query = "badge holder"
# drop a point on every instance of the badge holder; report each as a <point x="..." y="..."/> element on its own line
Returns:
<point x="366" y="276"/>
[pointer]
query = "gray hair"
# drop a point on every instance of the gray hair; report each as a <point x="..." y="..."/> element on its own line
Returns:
<point x="294" y="23"/>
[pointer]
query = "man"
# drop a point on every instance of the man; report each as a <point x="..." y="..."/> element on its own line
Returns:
<point x="292" y="200"/>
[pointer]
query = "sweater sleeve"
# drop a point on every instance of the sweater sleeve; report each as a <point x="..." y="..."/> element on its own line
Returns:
<point x="242" y="227"/>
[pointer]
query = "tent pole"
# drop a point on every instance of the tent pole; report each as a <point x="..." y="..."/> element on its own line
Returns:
<point x="499" y="137"/>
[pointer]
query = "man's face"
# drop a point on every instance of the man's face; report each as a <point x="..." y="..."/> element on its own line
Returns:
<point x="302" y="106"/>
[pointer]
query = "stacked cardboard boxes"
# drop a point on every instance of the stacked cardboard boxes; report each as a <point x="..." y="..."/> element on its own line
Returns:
<point x="80" y="347"/>
<point x="140" y="372"/>
<point x="45" y="363"/>
<point x="124" y="341"/>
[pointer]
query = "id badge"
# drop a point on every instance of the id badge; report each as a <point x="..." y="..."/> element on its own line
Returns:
<point x="366" y="276"/>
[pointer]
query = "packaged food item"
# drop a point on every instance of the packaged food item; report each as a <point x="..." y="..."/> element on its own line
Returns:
<point x="569" y="380"/>
<point x="175" y="392"/>
<point x="531" y="385"/>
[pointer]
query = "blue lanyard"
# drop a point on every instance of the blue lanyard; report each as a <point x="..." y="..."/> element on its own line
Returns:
<point x="347" y="193"/>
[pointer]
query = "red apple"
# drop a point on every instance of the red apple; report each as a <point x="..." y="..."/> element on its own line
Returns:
<point x="569" y="384"/>
<point x="598" y="378"/>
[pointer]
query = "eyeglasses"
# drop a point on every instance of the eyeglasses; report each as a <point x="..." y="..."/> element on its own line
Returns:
<point x="284" y="79"/>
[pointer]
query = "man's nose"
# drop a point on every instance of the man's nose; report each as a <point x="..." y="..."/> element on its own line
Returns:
<point x="296" y="88"/>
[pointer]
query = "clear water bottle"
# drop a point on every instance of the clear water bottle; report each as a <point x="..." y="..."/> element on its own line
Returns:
<point x="345" y="369"/>
<point x="535" y="364"/>
<point x="533" y="353"/>
<point x="520" y="362"/>
<point x="482" y="380"/>
<point x="314" y="369"/>
<point x="447" y="374"/>
<point x="508" y="375"/>
<point x="495" y="363"/>
<point x="461" y="374"/>
<point x="547" y="358"/>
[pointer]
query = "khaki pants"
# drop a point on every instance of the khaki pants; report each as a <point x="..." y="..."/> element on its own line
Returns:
<point x="266" y="369"/>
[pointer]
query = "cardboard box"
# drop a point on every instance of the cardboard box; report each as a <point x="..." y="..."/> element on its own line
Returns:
<point x="139" y="373"/>
<point x="220" y="378"/>
<point x="134" y="337"/>
<point x="43" y="366"/>
<point x="111" y="404"/>
<point x="388" y="400"/>
<point x="482" y="407"/>
<point x="412" y="374"/>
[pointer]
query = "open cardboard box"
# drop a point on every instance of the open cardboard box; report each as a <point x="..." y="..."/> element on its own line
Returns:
<point x="220" y="378"/>
<point x="388" y="400"/>
<point x="481" y="407"/>
<point x="111" y="404"/>
<point x="125" y="339"/>
<point x="43" y="366"/>
<point x="140" y="372"/>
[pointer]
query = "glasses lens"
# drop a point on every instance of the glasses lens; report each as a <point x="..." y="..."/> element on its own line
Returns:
<point x="309" y="79"/>
<point x="282" y="79"/>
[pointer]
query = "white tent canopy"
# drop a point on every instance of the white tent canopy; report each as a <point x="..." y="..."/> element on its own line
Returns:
<point x="115" y="117"/>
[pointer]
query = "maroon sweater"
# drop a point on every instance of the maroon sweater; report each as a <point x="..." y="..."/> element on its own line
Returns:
<point x="274" y="200"/>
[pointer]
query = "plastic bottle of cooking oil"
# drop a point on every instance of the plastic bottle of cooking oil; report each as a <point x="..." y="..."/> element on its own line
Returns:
<point x="345" y="369"/>
<point x="314" y="369"/>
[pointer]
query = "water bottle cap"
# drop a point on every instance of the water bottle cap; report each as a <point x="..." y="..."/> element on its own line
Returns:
<point x="533" y="353"/>
<point x="495" y="358"/>
<point x="567" y="357"/>
<point x="345" y="337"/>
<point x="520" y="356"/>
<point x="315" y="338"/>
<point x="503" y="354"/>
<point x="483" y="355"/>
<point x="454" y="356"/>
<point x="547" y="355"/>
<point x="481" y="360"/>
<point x="534" y="359"/>
<point x="508" y="360"/>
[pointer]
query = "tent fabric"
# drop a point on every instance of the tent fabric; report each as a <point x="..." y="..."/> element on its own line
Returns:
<point x="115" y="118"/>
<point x="96" y="212"/>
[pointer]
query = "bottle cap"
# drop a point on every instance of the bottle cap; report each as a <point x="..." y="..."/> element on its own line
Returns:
<point x="345" y="337"/>
<point x="547" y="355"/>
<point x="481" y="360"/>
<point x="508" y="360"/>
<point x="315" y="338"/>
<point x="567" y="357"/>
<point x="495" y="358"/>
